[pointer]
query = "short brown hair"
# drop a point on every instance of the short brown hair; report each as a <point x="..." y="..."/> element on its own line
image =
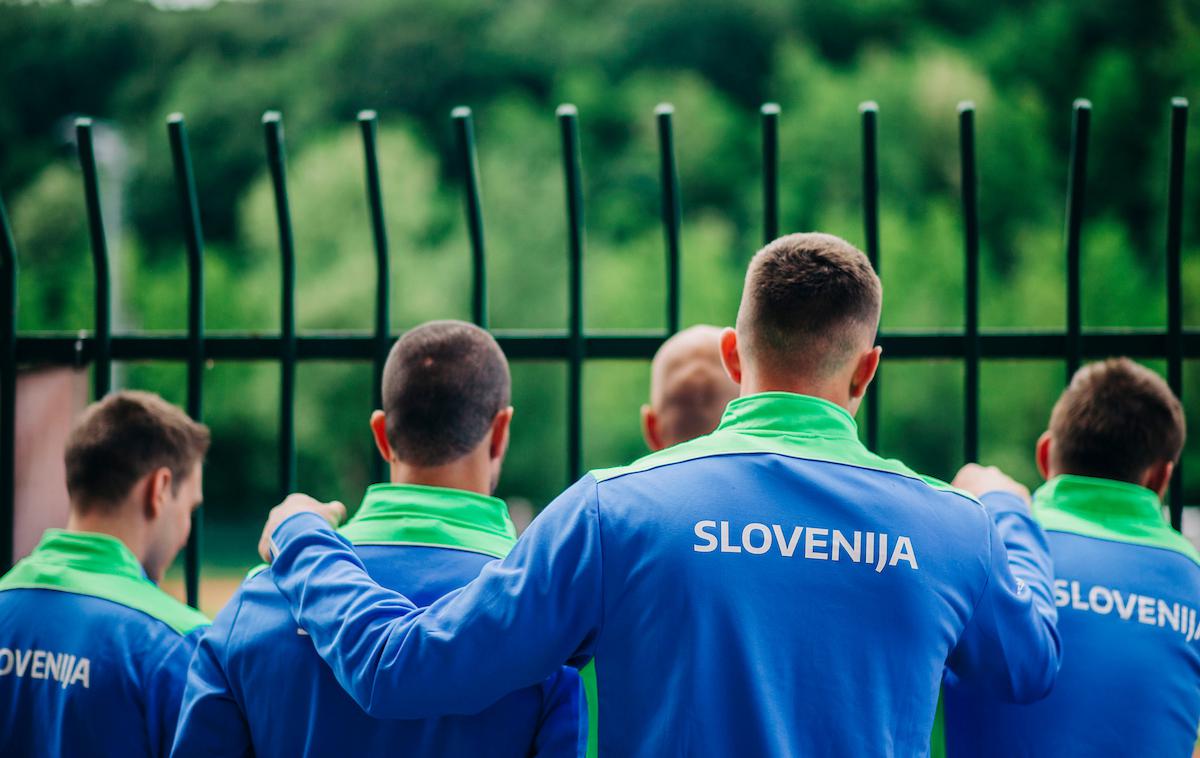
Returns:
<point x="443" y="384"/>
<point x="124" y="437"/>
<point x="1115" y="420"/>
<point x="808" y="302"/>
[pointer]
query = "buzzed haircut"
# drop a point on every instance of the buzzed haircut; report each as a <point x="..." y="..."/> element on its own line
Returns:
<point x="124" y="437"/>
<point x="809" y="302"/>
<point x="1114" y="420"/>
<point x="443" y="384"/>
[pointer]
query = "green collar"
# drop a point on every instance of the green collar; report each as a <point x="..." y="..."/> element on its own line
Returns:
<point x="413" y="514"/>
<point x="787" y="413"/>
<point x="1107" y="509"/>
<point x="99" y="565"/>
<point x="781" y="423"/>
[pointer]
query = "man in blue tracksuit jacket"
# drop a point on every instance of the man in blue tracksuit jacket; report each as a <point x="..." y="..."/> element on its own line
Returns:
<point x="1127" y="585"/>
<point x="771" y="589"/>
<point x="93" y="656"/>
<point x="257" y="687"/>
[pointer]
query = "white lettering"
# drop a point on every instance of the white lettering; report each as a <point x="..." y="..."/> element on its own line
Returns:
<point x="6" y="668"/>
<point x="710" y="539"/>
<point x="840" y="543"/>
<point x="904" y="552"/>
<point x="1168" y="614"/>
<point x="820" y="543"/>
<point x="23" y="663"/>
<point x="786" y="547"/>
<point x="725" y="546"/>
<point x="1094" y="597"/>
<point x="766" y="539"/>
<point x="1145" y="610"/>
<point x="1061" y="598"/>
<point x="1076" y="602"/>
<point x="1125" y="611"/>
<point x="83" y="671"/>
<point x="812" y="543"/>
<point x="38" y="670"/>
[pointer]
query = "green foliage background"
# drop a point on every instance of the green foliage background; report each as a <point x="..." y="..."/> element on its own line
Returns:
<point x="320" y="61"/>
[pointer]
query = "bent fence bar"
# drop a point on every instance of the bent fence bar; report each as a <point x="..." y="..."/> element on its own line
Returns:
<point x="573" y="344"/>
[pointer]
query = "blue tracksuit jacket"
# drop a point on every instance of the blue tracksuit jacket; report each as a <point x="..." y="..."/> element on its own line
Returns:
<point x="93" y="656"/>
<point x="772" y="589"/>
<point x="1128" y="592"/>
<point x="257" y="687"/>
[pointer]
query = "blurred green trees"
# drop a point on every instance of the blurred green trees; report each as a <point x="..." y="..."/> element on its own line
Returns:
<point x="319" y="61"/>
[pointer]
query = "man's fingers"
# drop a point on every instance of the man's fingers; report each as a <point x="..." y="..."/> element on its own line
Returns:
<point x="334" y="512"/>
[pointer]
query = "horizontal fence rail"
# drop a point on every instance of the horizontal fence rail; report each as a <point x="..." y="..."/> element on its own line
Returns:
<point x="573" y="344"/>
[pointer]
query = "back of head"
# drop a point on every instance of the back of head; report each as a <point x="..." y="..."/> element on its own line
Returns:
<point x="689" y="388"/>
<point x="124" y="437"/>
<point x="810" y="303"/>
<point x="1115" y="420"/>
<point x="443" y="384"/>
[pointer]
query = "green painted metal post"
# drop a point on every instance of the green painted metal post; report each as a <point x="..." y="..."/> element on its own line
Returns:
<point x="468" y="159"/>
<point x="277" y="162"/>
<point x="368" y="125"/>
<point x="1081" y="117"/>
<point x="8" y="388"/>
<point x="189" y="206"/>
<point x="1178" y="157"/>
<point x="770" y="170"/>
<point x="671" y="209"/>
<point x="970" y="208"/>
<point x="102" y="336"/>
<point x="568" y="121"/>
<point x="869" y="111"/>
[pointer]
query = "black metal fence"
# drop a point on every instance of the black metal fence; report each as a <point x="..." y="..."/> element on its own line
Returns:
<point x="573" y="344"/>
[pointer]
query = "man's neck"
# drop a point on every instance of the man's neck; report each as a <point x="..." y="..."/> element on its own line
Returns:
<point x="461" y="474"/>
<point x="758" y="385"/>
<point x="114" y="525"/>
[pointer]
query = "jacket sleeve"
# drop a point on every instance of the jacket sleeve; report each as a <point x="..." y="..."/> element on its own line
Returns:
<point x="1010" y="646"/>
<point x="164" y="690"/>
<point x="562" y="730"/>
<point x="512" y="627"/>
<point x="211" y="722"/>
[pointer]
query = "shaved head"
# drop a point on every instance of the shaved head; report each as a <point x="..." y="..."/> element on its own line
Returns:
<point x="689" y="388"/>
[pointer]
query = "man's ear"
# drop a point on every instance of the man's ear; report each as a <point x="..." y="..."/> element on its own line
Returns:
<point x="379" y="432"/>
<point x="1042" y="454"/>
<point x="864" y="372"/>
<point x="158" y="484"/>
<point x="1158" y="477"/>
<point x="650" y="431"/>
<point x="731" y="359"/>
<point x="501" y="426"/>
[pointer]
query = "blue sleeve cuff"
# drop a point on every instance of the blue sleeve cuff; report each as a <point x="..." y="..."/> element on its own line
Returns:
<point x="294" y="525"/>
<point x="999" y="502"/>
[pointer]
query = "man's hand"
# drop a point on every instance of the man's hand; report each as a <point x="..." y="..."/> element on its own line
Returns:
<point x="980" y="480"/>
<point x="333" y="512"/>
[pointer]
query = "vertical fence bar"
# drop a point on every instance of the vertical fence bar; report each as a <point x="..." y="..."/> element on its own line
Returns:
<point x="189" y="207"/>
<point x="1081" y="118"/>
<point x="970" y="207"/>
<point x="568" y="121"/>
<point x="671" y="209"/>
<point x="1178" y="156"/>
<point x="870" y="178"/>
<point x="770" y="170"/>
<point x="102" y="338"/>
<point x="8" y="388"/>
<point x="464" y="133"/>
<point x="277" y="162"/>
<point x="368" y="124"/>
